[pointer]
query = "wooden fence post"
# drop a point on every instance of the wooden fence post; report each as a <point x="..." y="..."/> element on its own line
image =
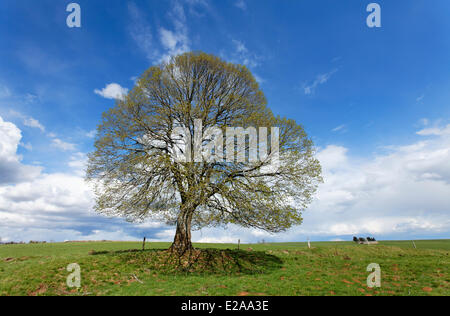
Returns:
<point x="239" y="243"/>
<point x="143" y="245"/>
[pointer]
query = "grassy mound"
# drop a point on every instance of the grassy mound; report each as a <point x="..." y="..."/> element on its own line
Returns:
<point x="200" y="261"/>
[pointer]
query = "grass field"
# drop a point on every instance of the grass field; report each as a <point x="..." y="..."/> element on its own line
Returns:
<point x="329" y="268"/>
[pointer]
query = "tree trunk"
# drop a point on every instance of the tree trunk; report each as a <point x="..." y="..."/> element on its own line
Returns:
<point x="182" y="242"/>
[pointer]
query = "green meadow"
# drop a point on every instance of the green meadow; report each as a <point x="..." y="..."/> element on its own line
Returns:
<point x="292" y="269"/>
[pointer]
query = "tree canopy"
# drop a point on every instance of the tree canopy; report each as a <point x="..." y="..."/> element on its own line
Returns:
<point x="188" y="108"/>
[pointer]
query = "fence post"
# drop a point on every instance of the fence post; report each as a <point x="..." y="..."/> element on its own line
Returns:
<point x="143" y="245"/>
<point x="239" y="243"/>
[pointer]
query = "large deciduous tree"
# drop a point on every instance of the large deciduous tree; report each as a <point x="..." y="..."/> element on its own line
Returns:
<point x="171" y="111"/>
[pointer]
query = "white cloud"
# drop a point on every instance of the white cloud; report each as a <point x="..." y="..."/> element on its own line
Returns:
<point x="31" y="122"/>
<point x="39" y="206"/>
<point x="333" y="157"/>
<point x="174" y="41"/>
<point x="27" y="120"/>
<point x="149" y="224"/>
<point x="340" y="128"/>
<point x="112" y="91"/>
<point x="320" y="80"/>
<point x="404" y="191"/>
<point x="11" y="168"/>
<point x="91" y="134"/>
<point x="240" y="46"/>
<point x="78" y="163"/>
<point x="436" y="131"/>
<point x="164" y="235"/>
<point x="258" y="79"/>
<point x="58" y="143"/>
<point x="243" y="56"/>
<point x="240" y="54"/>
<point x="168" y="39"/>
<point x="27" y="146"/>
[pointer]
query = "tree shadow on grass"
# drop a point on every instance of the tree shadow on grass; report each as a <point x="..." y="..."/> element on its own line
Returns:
<point x="199" y="261"/>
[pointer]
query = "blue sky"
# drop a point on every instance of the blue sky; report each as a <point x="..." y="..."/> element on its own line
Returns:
<point x="374" y="100"/>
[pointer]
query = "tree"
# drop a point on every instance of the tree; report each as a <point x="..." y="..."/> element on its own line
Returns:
<point x="188" y="106"/>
